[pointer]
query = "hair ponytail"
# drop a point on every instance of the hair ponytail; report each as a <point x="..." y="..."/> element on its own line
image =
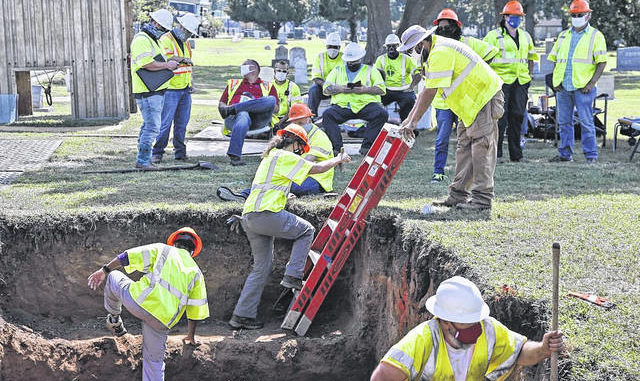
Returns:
<point x="278" y="142"/>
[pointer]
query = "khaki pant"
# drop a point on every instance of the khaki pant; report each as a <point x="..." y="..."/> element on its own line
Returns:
<point x="476" y="155"/>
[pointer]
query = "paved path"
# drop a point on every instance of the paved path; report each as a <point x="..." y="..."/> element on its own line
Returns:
<point x="18" y="156"/>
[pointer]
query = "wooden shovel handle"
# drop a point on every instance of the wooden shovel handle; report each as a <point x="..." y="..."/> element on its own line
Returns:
<point x="554" y="309"/>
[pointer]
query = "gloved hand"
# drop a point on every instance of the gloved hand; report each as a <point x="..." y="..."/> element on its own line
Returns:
<point x="234" y="224"/>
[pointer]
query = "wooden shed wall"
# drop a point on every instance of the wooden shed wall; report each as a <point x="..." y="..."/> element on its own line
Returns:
<point x="89" y="36"/>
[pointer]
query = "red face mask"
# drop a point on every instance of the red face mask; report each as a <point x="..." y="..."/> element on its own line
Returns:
<point x="469" y="335"/>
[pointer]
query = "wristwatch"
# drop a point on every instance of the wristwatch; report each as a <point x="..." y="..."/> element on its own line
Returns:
<point x="106" y="269"/>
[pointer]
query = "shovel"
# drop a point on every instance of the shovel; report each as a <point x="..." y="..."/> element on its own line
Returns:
<point x="199" y="165"/>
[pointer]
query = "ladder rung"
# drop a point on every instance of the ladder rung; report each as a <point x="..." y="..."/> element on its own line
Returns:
<point x="332" y="224"/>
<point x="314" y="255"/>
<point x="368" y="159"/>
<point x="350" y="191"/>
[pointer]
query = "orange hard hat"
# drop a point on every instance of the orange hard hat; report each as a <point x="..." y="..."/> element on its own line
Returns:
<point x="579" y="6"/>
<point x="180" y="233"/>
<point x="447" y="14"/>
<point x="513" y="8"/>
<point x="299" y="111"/>
<point x="293" y="130"/>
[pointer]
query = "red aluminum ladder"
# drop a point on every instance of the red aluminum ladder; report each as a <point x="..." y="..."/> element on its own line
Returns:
<point x="340" y="233"/>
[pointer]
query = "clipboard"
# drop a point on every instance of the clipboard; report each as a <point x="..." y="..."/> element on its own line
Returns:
<point x="153" y="79"/>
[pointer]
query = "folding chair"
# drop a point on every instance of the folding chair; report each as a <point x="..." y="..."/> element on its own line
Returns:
<point x="628" y="126"/>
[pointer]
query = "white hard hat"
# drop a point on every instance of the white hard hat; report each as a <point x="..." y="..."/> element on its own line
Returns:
<point x="163" y="17"/>
<point x="458" y="300"/>
<point x="190" y="22"/>
<point x="413" y="35"/>
<point x="353" y="52"/>
<point x="392" y="39"/>
<point x="334" y="39"/>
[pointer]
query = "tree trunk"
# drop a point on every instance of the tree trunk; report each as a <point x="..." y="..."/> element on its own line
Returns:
<point x="273" y="28"/>
<point x="499" y="5"/>
<point x="419" y="12"/>
<point x="530" y="12"/>
<point x="353" y="29"/>
<point x="378" y="27"/>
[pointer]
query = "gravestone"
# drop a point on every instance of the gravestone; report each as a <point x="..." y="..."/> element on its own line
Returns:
<point x="605" y="85"/>
<point x="297" y="58"/>
<point x="628" y="58"/>
<point x="281" y="55"/>
<point x="542" y="68"/>
<point x="548" y="45"/>
<point x="282" y="38"/>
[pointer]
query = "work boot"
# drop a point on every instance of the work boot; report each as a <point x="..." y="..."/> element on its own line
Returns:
<point x="559" y="159"/>
<point x="289" y="281"/>
<point x="182" y="158"/>
<point x="115" y="324"/>
<point x="238" y="322"/>
<point x="438" y="178"/>
<point x="226" y="111"/>
<point x="146" y="167"/>
<point x="447" y="202"/>
<point x="236" y="161"/>
<point x="473" y="206"/>
<point x="226" y="194"/>
<point x="155" y="159"/>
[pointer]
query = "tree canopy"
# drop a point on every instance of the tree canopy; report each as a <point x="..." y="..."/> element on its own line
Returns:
<point x="351" y="11"/>
<point x="269" y="14"/>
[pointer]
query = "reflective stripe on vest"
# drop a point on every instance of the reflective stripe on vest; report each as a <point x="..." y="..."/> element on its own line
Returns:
<point x="324" y="56"/>
<point x="313" y="131"/>
<point x="503" y="53"/>
<point x="145" y="54"/>
<point x="589" y="60"/>
<point x="267" y="182"/>
<point x="446" y="92"/>
<point x="404" y="69"/>
<point x="176" y="52"/>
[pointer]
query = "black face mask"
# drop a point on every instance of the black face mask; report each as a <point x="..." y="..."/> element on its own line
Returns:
<point x="425" y="55"/>
<point x="354" y="66"/>
<point x="298" y="151"/>
<point x="449" y="31"/>
<point x="392" y="53"/>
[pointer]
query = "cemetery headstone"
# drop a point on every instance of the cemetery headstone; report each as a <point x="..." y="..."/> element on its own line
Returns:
<point x="548" y="45"/>
<point x="297" y="58"/>
<point x="628" y="58"/>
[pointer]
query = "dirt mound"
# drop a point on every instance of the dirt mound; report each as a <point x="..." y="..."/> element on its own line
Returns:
<point x="53" y="323"/>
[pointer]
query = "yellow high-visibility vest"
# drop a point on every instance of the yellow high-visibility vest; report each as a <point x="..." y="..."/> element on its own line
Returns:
<point x="367" y="76"/>
<point x="143" y="50"/>
<point x="181" y="74"/>
<point x="233" y="85"/>
<point x="172" y="284"/>
<point x="320" y="146"/>
<point x="512" y="62"/>
<point x="398" y="71"/>
<point x="484" y="50"/>
<point x="273" y="180"/>
<point x="422" y="353"/>
<point x="463" y="79"/>
<point x="288" y="94"/>
<point x="323" y="65"/>
<point x="590" y="51"/>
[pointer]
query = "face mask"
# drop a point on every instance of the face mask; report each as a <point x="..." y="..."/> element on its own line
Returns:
<point x="579" y="22"/>
<point x="245" y="69"/>
<point x="354" y="66"/>
<point x="152" y="30"/>
<point x="469" y="335"/>
<point x="514" y="21"/>
<point x="449" y="31"/>
<point x="280" y="76"/>
<point x="424" y="55"/>
<point x="298" y="150"/>
<point x="333" y="53"/>
<point x="393" y="53"/>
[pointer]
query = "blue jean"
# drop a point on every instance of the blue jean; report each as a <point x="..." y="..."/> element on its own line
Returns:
<point x="583" y="103"/>
<point x="308" y="186"/>
<point x="375" y="115"/>
<point x="176" y="110"/>
<point x="254" y="113"/>
<point x="446" y="119"/>
<point x="151" y="110"/>
<point x="315" y="96"/>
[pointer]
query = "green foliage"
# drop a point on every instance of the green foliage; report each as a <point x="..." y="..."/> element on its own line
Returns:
<point x="269" y="14"/>
<point x="142" y="8"/>
<point x="617" y="19"/>
<point x="351" y="11"/>
<point x="478" y="13"/>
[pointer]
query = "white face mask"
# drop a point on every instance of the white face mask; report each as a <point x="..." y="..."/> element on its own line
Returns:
<point x="333" y="53"/>
<point x="579" y="22"/>
<point x="281" y="76"/>
<point x="245" y="69"/>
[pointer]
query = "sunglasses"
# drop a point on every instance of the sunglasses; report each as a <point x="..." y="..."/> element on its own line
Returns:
<point x="282" y="71"/>
<point x="576" y="15"/>
<point x="333" y="47"/>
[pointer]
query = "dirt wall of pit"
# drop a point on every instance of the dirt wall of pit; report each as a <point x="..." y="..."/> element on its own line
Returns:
<point x="51" y="323"/>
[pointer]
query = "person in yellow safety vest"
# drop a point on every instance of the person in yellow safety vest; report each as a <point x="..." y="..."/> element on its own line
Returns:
<point x="177" y="98"/>
<point x="320" y="150"/>
<point x="322" y="66"/>
<point x="462" y="342"/>
<point x="579" y="55"/>
<point x="264" y="218"/>
<point x="401" y="76"/>
<point x="172" y="285"/>
<point x="449" y="26"/>
<point x="288" y="91"/>
<point x="146" y="54"/>
<point x="514" y="64"/>
<point x="472" y="90"/>
<point x="355" y="91"/>
<point x="246" y="104"/>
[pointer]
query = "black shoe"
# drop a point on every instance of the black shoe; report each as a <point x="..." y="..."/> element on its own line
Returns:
<point x="289" y="281"/>
<point x="226" y="194"/>
<point x="115" y="325"/>
<point x="226" y="111"/>
<point x="182" y="158"/>
<point x="558" y="159"/>
<point x="236" y="161"/>
<point x="238" y="322"/>
<point x="146" y="167"/>
<point x="155" y="159"/>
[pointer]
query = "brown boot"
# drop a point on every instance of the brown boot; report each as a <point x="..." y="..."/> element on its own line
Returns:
<point x="447" y="202"/>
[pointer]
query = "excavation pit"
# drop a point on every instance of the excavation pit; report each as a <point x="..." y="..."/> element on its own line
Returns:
<point x="52" y="324"/>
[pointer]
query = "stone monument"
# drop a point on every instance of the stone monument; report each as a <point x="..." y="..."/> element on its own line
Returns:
<point x="298" y="59"/>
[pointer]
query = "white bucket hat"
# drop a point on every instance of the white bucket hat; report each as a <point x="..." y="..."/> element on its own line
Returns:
<point x="413" y="35"/>
<point x="163" y="17"/>
<point x="458" y="300"/>
<point x="190" y="22"/>
<point x="353" y="52"/>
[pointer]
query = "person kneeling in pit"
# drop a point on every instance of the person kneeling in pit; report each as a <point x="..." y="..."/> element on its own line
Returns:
<point x="264" y="218"/>
<point x="320" y="150"/>
<point x="462" y="342"/>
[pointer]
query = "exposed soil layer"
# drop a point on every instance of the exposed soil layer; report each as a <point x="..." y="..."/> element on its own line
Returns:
<point x="51" y="323"/>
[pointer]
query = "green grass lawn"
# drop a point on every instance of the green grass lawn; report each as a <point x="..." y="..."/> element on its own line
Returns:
<point x="591" y="210"/>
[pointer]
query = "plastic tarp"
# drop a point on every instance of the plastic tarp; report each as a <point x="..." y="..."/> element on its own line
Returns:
<point x="8" y="108"/>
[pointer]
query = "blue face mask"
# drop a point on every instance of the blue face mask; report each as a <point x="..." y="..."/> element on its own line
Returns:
<point x="152" y="30"/>
<point x="180" y="34"/>
<point x="514" y="21"/>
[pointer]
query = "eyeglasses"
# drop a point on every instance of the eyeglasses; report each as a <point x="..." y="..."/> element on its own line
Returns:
<point x="333" y="47"/>
<point x="281" y="71"/>
<point x="576" y="15"/>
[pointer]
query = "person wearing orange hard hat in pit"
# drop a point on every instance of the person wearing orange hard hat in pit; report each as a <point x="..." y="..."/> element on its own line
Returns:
<point x="264" y="218"/>
<point x="449" y="26"/>
<point x="514" y="64"/>
<point x="172" y="285"/>
<point x="319" y="151"/>
<point x="580" y="55"/>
